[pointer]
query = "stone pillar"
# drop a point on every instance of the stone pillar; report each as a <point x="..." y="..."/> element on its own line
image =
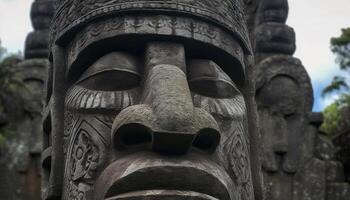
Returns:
<point x="298" y="163"/>
<point x="22" y="171"/>
<point x="35" y="69"/>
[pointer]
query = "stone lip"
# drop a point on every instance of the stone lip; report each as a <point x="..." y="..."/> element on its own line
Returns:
<point x="152" y="172"/>
<point x="163" y="194"/>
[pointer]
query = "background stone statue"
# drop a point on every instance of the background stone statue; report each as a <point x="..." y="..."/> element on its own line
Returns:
<point x="20" y="163"/>
<point x="297" y="162"/>
<point x="150" y="100"/>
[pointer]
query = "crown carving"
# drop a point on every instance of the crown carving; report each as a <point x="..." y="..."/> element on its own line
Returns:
<point x="228" y="14"/>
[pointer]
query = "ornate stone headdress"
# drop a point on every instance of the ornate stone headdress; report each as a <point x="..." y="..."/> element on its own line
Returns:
<point x="72" y="15"/>
<point x="282" y="65"/>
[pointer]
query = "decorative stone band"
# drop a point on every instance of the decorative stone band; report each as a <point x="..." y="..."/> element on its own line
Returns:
<point x="181" y="28"/>
<point x="71" y="15"/>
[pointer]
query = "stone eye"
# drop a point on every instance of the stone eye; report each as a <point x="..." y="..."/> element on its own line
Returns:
<point x="208" y="79"/>
<point x="113" y="72"/>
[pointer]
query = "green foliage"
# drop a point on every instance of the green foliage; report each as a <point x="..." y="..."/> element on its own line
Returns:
<point x="341" y="47"/>
<point x="10" y="79"/>
<point x="10" y="83"/>
<point x="331" y="120"/>
<point x="333" y="117"/>
<point x="337" y="84"/>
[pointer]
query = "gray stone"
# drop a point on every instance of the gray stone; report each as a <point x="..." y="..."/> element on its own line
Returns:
<point x="298" y="163"/>
<point x="342" y="143"/>
<point x="150" y="100"/>
<point x="324" y="148"/>
<point x="338" y="191"/>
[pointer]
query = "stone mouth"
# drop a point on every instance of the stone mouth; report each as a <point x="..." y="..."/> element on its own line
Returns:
<point x="162" y="194"/>
<point x="144" y="176"/>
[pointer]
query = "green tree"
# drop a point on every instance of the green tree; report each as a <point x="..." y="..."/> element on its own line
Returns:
<point x="337" y="114"/>
<point x="341" y="47"/>
<point x="10" y="83"/>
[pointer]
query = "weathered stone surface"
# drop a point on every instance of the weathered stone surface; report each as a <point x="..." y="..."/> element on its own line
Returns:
<point x="342" y="143"/>
<point x="272" y="11"/>
<point x="36" y="44"/>
<point x="284" y="98"/>
<point x="310" y="181"/>
<point x="324" y="148"/>
<point x="335" y="171"/>
<point x="274" y="38"/>
<point x="20" y="157"/>
<point x="41" y="14"/>
<point x="338" y="191"/>
<point x="150" y="100"/>
<point x="298" y="163"/>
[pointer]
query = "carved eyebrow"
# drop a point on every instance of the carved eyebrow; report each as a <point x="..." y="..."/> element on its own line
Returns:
<point x="85" y="100"/>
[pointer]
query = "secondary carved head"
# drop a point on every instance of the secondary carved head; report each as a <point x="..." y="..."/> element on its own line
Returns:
<point x="284" y="97"/>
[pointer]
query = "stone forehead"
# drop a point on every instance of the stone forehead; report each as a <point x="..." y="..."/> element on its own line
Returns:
<point x="73" y="14"/>
<point x="289" y="66"/>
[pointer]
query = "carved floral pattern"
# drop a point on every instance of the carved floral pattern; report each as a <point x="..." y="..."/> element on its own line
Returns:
<point x="85" y="155"/>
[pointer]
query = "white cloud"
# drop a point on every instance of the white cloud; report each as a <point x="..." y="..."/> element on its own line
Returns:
<point x="14" y="23"/>
<point x="324" y="102"/>
<point x="315" y="22"/>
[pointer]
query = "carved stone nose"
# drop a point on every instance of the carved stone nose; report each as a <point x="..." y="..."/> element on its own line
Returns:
<point x="167" y="120"/>
<point x="139" y="126"/>
<point x="280" y="146"/>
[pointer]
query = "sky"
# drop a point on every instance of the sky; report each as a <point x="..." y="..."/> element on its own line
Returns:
<point x="314" y="21"/>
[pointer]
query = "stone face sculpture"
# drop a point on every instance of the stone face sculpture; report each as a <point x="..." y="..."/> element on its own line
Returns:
<point x="298" y="163"/>
<point x="150" y="100"/>
<point x="284" y="97"/>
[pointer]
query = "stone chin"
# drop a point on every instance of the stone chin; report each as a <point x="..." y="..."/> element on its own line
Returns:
<point x="163" y="177"/>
